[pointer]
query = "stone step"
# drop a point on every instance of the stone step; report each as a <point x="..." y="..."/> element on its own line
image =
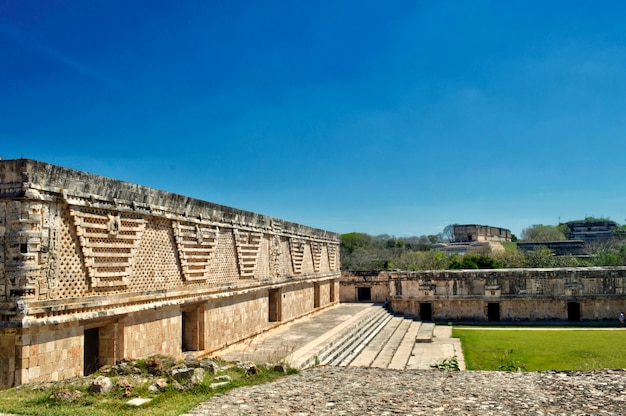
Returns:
<point x="425" y="333"/>
<point x="373" y="348"/>
<point x="383" y="359"/>
<point x="352" y="338"/>
<point x="355" y="351"/>
<point x="403" y="353"/>
<point x="324" y="348"/>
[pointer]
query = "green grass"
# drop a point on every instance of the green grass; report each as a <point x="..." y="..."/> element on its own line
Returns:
<point x="535" y="350"/>
<point x="27" y="400"/>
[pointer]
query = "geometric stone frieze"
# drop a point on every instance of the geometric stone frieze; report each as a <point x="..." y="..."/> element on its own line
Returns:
<point x="333" y="251"/>
<point x="108" y="242"/>
<point x="316" y="248"/>
<point x="195" y="243"/>
<point x="248" y="244"/>
<point x="296" y="248"/>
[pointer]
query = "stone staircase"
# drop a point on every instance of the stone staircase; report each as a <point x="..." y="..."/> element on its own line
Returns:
<point x="375" y="338"/>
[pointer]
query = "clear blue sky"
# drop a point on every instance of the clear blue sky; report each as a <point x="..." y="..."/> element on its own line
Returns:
<point x="396" y="117"/>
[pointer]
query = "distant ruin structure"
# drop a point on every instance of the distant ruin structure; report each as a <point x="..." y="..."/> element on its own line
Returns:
<point x="94" y="270"/>
<point x="466" y="233"/>
<point x="475" y="238"/>
<point x="591" y="231"/>
<point x="581" y="235"/>
<point x="558" y="248"/>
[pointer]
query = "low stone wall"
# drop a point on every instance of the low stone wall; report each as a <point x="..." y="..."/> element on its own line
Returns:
<point x="572" y="294"/>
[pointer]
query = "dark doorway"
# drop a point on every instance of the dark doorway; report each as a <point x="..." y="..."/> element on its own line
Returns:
<point x="316" y="295"/>
<point x="90" y="359"/>
<point x="493" y="312"/>
<point x="191" y="330"/>
<point x="426" y="311"/>
<point x="332" y="291"/>
<point x="573" y="311"/>
<point x="274" y="305"/>
<point x="364" y="294"/>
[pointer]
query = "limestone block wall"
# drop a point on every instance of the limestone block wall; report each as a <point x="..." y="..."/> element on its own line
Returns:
<point x="142" y="271"/>
<point x="596" y="293"/>
<point x="151" y="331"/>
<point x="49" y="355"/>
<point x="8" y="357"/>
<point x="296" y="300"/>
<point x="230" y="319"/>
<point x="368" y="286"/>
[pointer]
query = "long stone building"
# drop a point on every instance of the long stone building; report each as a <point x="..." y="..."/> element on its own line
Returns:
<point x="95" y="269"/>
<point x="564" y="294"/>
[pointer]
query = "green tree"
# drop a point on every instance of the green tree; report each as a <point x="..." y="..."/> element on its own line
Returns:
<point x="539" y="258"/>
<point x="542" y="233"/>
<point x="421" y="260"/>
<point x="352" y="241"/>
<point x="475" y="261"/>
<point x="511" y="258"/>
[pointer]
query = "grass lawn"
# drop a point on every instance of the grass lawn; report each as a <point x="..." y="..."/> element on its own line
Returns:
<point x="27" y="400"/>
<point x="535" y="350"/>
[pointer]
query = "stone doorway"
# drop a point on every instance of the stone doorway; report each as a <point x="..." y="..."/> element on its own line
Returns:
<point x="274" y="313"/>
<point x="192" y="329"/>
<point x="426" y="311"/>
<point x="101" y="342"/>
<point x="91" y="351"/>
<point x="316" y="295"/>
<point x="364" y="294"/>
<point x="493" y="311"/>
<point x="573" y="311"/>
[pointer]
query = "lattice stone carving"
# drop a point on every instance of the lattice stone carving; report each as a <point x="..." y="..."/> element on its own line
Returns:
<point x="195" y="243"/>
<point x="275" y="249"/>
<point x="296" y="247"/>
<point x="248" y="244"/>
<point x="333" y="250"/>
<point x="109" y="242"/>
<point x="316" y="249"/>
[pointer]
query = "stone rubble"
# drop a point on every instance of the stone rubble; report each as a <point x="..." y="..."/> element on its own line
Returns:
<point x="373" y="391"/>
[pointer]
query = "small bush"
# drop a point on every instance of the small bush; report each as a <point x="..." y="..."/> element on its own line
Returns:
<point x="447" y="364"/>
<point x="507" y="363"/>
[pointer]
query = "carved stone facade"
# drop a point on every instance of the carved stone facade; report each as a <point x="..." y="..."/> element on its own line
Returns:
<point x="567" y="294"/>
<point x="95" y="269"/>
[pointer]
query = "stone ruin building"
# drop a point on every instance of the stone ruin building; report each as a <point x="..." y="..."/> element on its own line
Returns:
<point x="474" y="237"/>
<point x="563" y="294"/>
<point x="95" y="269"/>
<point x="591" y="231"/>
<point x="466" y="233"/>
<point x="580" y="234"/>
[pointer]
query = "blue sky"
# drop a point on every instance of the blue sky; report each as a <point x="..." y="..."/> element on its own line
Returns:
<point x="396" y="117"/>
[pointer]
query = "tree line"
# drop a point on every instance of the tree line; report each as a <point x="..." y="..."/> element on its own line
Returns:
<point x="360" y="251"/>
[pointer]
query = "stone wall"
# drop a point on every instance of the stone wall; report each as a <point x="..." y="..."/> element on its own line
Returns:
<point x="355" y="283"/>
<point x="129" y="271"/>
<point x="572" y="294"/>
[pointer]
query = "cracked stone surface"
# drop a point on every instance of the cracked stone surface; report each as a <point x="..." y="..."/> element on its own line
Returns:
<point x="374" y="391"/>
